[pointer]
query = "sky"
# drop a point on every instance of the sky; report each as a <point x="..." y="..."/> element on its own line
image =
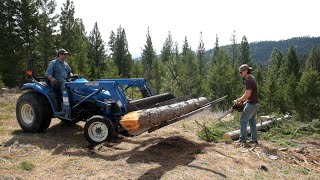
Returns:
<point x="258" y="20"/>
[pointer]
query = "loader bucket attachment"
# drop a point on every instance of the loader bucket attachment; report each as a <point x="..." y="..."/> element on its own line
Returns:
<point x="148" y="102"/>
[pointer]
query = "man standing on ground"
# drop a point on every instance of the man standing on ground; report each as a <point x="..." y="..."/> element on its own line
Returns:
<point x="249" y="113"/>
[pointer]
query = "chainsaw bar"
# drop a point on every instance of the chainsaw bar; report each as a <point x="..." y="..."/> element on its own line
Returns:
<point x="225" y="113"/>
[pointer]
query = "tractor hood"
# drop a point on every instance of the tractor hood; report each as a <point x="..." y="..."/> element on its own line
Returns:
<point x="88" y="90"/>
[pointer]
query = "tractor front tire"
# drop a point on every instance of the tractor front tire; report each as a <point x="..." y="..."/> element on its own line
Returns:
<point x="99" y="129"/>
<point x="33" y="112"/>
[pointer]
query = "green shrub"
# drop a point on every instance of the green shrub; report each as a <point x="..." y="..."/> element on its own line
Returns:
<point x="26" y="165"/>
<point x="214" y="133"/>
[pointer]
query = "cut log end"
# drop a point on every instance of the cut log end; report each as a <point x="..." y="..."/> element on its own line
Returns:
<point x="234" y="135"/>
<point x="131" y="121"/>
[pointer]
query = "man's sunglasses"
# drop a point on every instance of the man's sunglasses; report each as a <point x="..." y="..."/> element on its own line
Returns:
<point x="241" y="72"/>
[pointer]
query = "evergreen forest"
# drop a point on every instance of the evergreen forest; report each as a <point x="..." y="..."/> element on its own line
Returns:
<point x="288" y="71"/>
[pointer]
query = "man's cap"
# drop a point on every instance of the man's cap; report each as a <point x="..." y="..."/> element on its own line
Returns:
<point x="244" y="67"/>
<point x="63" y="51"/>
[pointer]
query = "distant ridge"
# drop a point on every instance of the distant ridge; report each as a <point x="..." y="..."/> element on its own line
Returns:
<point x="261" y="51"/>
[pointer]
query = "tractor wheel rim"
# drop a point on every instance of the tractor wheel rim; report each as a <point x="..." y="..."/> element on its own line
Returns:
<point x="27" y="113"/>
<point x="98" y="131"/>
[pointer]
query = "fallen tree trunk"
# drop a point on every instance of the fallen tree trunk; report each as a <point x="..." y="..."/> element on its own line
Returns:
<point x="137" y="122"/>
<point x="234" y="135"/>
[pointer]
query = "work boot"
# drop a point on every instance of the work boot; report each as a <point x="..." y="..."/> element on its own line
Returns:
<point x="240" y="143"/>
<point x="254" y="142"/>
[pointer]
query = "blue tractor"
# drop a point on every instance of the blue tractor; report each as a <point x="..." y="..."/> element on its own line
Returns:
<point x="100" y="104"/>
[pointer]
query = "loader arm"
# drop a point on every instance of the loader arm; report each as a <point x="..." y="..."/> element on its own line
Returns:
<point x="141" y="83"/>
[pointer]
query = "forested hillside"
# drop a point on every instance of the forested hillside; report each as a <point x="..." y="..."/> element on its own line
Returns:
<point x="31" y="29"/>
<point x="262" y="50"/>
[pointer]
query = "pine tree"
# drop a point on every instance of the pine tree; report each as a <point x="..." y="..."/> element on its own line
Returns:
<point x="216" y="49"/>
<point x="194" y="83"/>
<point x="121" y="55"/>
<point x="111" y="42"/>
<point x="158" y="76"/>
<point x="313" y="61"/>
<point x="168" y="58"/>
<point x="67" y="23"/>
<point x="46" y="37"/>
<point x="148" y="56"/>
<point x="190" y="80"/>
<point x="200" y="55"/>
<point x="97" y="53"/>
<point x="270" y="90"/>
<point x="246" y="56"/>
<point x="185" y="48"/>
<point x="176" y="51"/>
<point x="138" y="70"/>
<point x="81" y="59"/>
<point x="288" y="79"/>
<point x="293" y="63"/>
<point x="27" y="21"/>
<point x="167" y="48"/>
<point x="221" y="78"/>
<point x="234" y="48"/>
<point x="72" y="37"/>
<point x="10" y="44"/>
<point x="309" y="88"/>
<point x="112" y="70"/>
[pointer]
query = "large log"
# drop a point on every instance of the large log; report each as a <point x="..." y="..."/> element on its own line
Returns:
<point x="235" y="135"/>
<point x="137" y="122"/>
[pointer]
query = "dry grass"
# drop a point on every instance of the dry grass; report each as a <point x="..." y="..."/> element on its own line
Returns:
<point x="173" y="152"/>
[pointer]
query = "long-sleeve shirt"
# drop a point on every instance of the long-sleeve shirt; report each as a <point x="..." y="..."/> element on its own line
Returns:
<point x="60" y="70"/>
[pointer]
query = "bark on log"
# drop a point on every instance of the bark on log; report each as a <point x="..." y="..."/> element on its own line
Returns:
<point x="137" y="122"/>
<point x="234" y="135"/>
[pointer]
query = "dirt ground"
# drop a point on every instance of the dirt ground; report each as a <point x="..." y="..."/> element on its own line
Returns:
<point x="173" y="152"/>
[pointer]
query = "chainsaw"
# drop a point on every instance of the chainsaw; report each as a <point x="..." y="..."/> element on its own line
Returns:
<point x="235" y="107"/>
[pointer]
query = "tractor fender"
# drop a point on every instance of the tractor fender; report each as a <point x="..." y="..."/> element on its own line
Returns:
<point x="44" y="90"/>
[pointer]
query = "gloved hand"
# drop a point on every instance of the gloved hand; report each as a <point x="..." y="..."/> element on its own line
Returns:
<point x="238" y="102"/>
<point x="53" y="81"/>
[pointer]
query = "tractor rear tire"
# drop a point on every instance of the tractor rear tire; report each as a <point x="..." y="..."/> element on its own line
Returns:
<point x="99" y="129"/>
<point x="33" y="112"/>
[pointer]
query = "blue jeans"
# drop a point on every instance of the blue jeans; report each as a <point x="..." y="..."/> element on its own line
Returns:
<point x="249" y="114"/>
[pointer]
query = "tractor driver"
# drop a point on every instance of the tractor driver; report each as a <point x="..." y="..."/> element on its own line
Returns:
<point x="58" y="71"/>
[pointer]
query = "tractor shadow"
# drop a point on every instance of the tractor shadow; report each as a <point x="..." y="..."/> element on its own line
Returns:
<point x="168" y="153"/>
<point x="57" y="138"/>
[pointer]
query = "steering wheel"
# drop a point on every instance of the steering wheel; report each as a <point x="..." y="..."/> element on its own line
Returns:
<point x="73" y="77"/>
